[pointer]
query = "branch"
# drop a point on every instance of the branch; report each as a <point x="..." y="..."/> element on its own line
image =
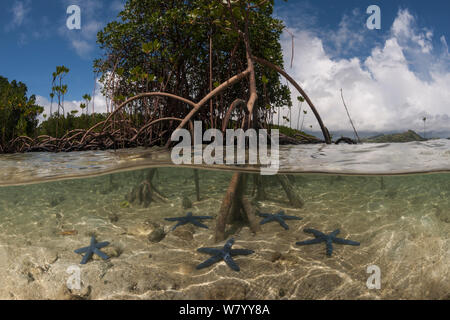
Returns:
<point x="235" y="103"/>
<point x="139" y="96"/>
<point x="270" y="65"/>
<point x="154" y="122"/>
<point x="211" y="95"/>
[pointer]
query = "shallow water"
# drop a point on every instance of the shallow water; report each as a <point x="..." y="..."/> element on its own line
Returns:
<point x="402" y="223"/>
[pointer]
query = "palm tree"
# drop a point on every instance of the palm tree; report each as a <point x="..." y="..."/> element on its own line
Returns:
<point x="52" y="95"/>
<point x="87" y="98"/>
<point x="63" y="92"/>
<point x="424" y="119"/>
<point x="303" y="121"/>
<point x="82" y="107"/>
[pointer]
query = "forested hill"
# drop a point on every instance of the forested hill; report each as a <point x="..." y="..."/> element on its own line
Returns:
<point x="408" y="136"/>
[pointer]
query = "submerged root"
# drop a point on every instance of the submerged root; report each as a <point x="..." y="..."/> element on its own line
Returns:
<point x="235" y="208"/>
<point x="145" y="193"/>
<point x="294" y="199"/>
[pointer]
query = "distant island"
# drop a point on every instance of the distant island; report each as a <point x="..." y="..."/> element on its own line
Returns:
<point x="407" y="136"/>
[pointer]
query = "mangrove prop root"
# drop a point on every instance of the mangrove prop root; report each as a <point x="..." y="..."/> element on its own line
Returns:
<point x="235" y="207"/>
<point x="226" y="207"/>
<point x="259" y="186"/>
<point x="251" y="215"/>
<point x="145" y="193"/>
<point x="294" y="198"/>
<point x="117" y="131"/>
<point x="276" y="68"/>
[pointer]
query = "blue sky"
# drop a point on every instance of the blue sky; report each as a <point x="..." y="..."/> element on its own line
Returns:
<point x="34" y="40"/>
<point x="333" y="50"/>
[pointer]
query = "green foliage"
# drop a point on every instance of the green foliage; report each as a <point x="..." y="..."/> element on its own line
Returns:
<point x="290" y="132"/>
<point x="68" y="123"/>
<point x="168" y="41"/>
<point x="18" y="113"/>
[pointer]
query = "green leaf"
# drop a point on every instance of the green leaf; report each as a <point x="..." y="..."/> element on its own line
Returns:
<point x="147" y="47"/>
<point x="301" y="99"/>
<point x="265" y="80"/>
<point x="120" y="71"/>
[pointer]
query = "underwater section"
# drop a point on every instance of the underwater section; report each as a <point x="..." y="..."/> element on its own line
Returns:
<point x="402" y="225"/>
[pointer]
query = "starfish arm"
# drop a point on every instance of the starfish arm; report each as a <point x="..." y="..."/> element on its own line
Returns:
<point x="241" y="252"/>
<point x="172" y="219"/>
<point x="212" y="251"/>
<point x="264" y="215"/>
<point x="335" y="233"/>
<point x="101" y="244"/>
<point x="178" y="224"/>
<point x="266" y="220"/>
<point x="199" y="224"/>
<point x="204" y="217"/>
<point x="209" y="262"/>
<point x="230" y="262"/>
<point x="82" y="250"/>
<point x="329" y="248"/>
<point x="307" y="242"/>
<point x="102" y="255"/>
<point x="291" y="218"/>
<point x="87" y="257"/>
<point x="344" y="241"/>
<point x="283" y="224"/>
<point x="316" y="233"/>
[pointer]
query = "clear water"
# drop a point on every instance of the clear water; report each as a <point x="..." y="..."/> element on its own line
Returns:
<point x="393" y="199"/>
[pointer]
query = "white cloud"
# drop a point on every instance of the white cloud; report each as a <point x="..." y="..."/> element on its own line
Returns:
<point x="19" y="10"/>
<point x="392" y="89"/>
<point x="82" y="47"/>
<point x="345" y="38"/>
<point x="84" y="41"/>
<point x="445" y="45"/>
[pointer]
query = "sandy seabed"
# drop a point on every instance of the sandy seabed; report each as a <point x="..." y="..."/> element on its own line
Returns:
<point x="402" y="223"/>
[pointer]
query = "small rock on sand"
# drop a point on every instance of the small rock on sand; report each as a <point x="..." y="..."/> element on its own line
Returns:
<point x="157" y="235"/>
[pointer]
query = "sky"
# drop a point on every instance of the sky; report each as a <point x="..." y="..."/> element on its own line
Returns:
<point x="391" y="78"/>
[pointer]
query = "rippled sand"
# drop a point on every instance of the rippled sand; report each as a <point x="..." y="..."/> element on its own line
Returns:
<point x="402" y="223"/>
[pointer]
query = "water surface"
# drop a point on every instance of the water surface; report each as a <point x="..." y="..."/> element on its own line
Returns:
<point x="402" y="222"/>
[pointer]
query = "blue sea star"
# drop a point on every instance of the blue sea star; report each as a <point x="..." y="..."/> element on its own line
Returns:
<point x="328" y="239"/>
<point x="278" y="217"/>
<point x="225" y="253"/>
<point x="94" y="247"/>
<point x="189" y="218"/>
